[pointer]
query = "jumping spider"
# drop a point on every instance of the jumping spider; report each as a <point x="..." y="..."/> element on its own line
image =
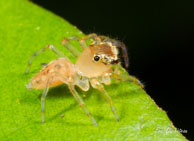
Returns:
<point x="96" y="64"/>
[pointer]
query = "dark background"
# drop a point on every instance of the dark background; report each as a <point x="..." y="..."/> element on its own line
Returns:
<point x="159" y="36"/>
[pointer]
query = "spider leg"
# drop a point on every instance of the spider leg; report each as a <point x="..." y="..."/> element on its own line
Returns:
<point x="96" y="84"/>
<point x="92" y="37"/>
<point x="44" y="94"/>
<point x="43" y="97"/>
<point x="65" y="42"/>
<point x="136" y="81"/>
<point x="50" y="47"/>
<point x="81" y="103"/>
<point x="121" y="74"/>
<point x="82" y="43"/>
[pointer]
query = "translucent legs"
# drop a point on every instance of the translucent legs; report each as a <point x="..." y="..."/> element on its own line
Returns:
<point x="82" y="43"/>
<point x="96" y="84"/>
<point x="135" y="80"/>
<point x="109" y="100"/>
<point x="122" y="75"/>
<point x="50" y="47"/>
<point x="81" y="103"/>
<point x="73" y="91"/>
<point x="70" y="47"/>
<point x="43" y="97"/>
<point x="92" y="37"/>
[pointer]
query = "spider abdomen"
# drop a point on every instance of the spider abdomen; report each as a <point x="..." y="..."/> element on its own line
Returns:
<point x="59" y="71"/>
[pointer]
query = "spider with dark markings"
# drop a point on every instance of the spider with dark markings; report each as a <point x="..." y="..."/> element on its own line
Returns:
<point x="97" y="64"/>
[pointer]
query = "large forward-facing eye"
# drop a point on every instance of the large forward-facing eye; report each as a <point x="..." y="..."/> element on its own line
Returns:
<point x="96" y="58"/>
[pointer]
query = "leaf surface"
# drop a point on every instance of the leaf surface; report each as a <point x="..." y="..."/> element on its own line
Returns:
<point x="26" y="28"/>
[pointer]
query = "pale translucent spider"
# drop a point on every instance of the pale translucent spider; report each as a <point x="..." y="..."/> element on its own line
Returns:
<point x="96" y="64"/>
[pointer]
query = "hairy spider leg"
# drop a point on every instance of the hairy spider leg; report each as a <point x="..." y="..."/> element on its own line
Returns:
<point x="96" y="84"/>
<point x="43" y="97"/>
<point x="81" y="103"/>
<point x="136" y="81"/>
<point x="122" y="75"/>
<point x="50" y="47"/>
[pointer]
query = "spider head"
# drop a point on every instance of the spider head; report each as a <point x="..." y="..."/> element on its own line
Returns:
<point x="105" y="53"/>
<point x="106" y="50"/>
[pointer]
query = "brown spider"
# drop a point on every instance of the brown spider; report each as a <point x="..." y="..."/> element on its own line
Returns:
<point x="97" y="64"/>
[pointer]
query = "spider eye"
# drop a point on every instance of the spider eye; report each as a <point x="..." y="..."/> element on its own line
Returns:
<point x="96" y="58"/>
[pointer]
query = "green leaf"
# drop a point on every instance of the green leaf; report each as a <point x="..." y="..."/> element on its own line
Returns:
<point x="26" y="28"/>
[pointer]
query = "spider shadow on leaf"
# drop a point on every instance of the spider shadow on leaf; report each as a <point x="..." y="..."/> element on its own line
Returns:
<point x="63" y="92"/>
